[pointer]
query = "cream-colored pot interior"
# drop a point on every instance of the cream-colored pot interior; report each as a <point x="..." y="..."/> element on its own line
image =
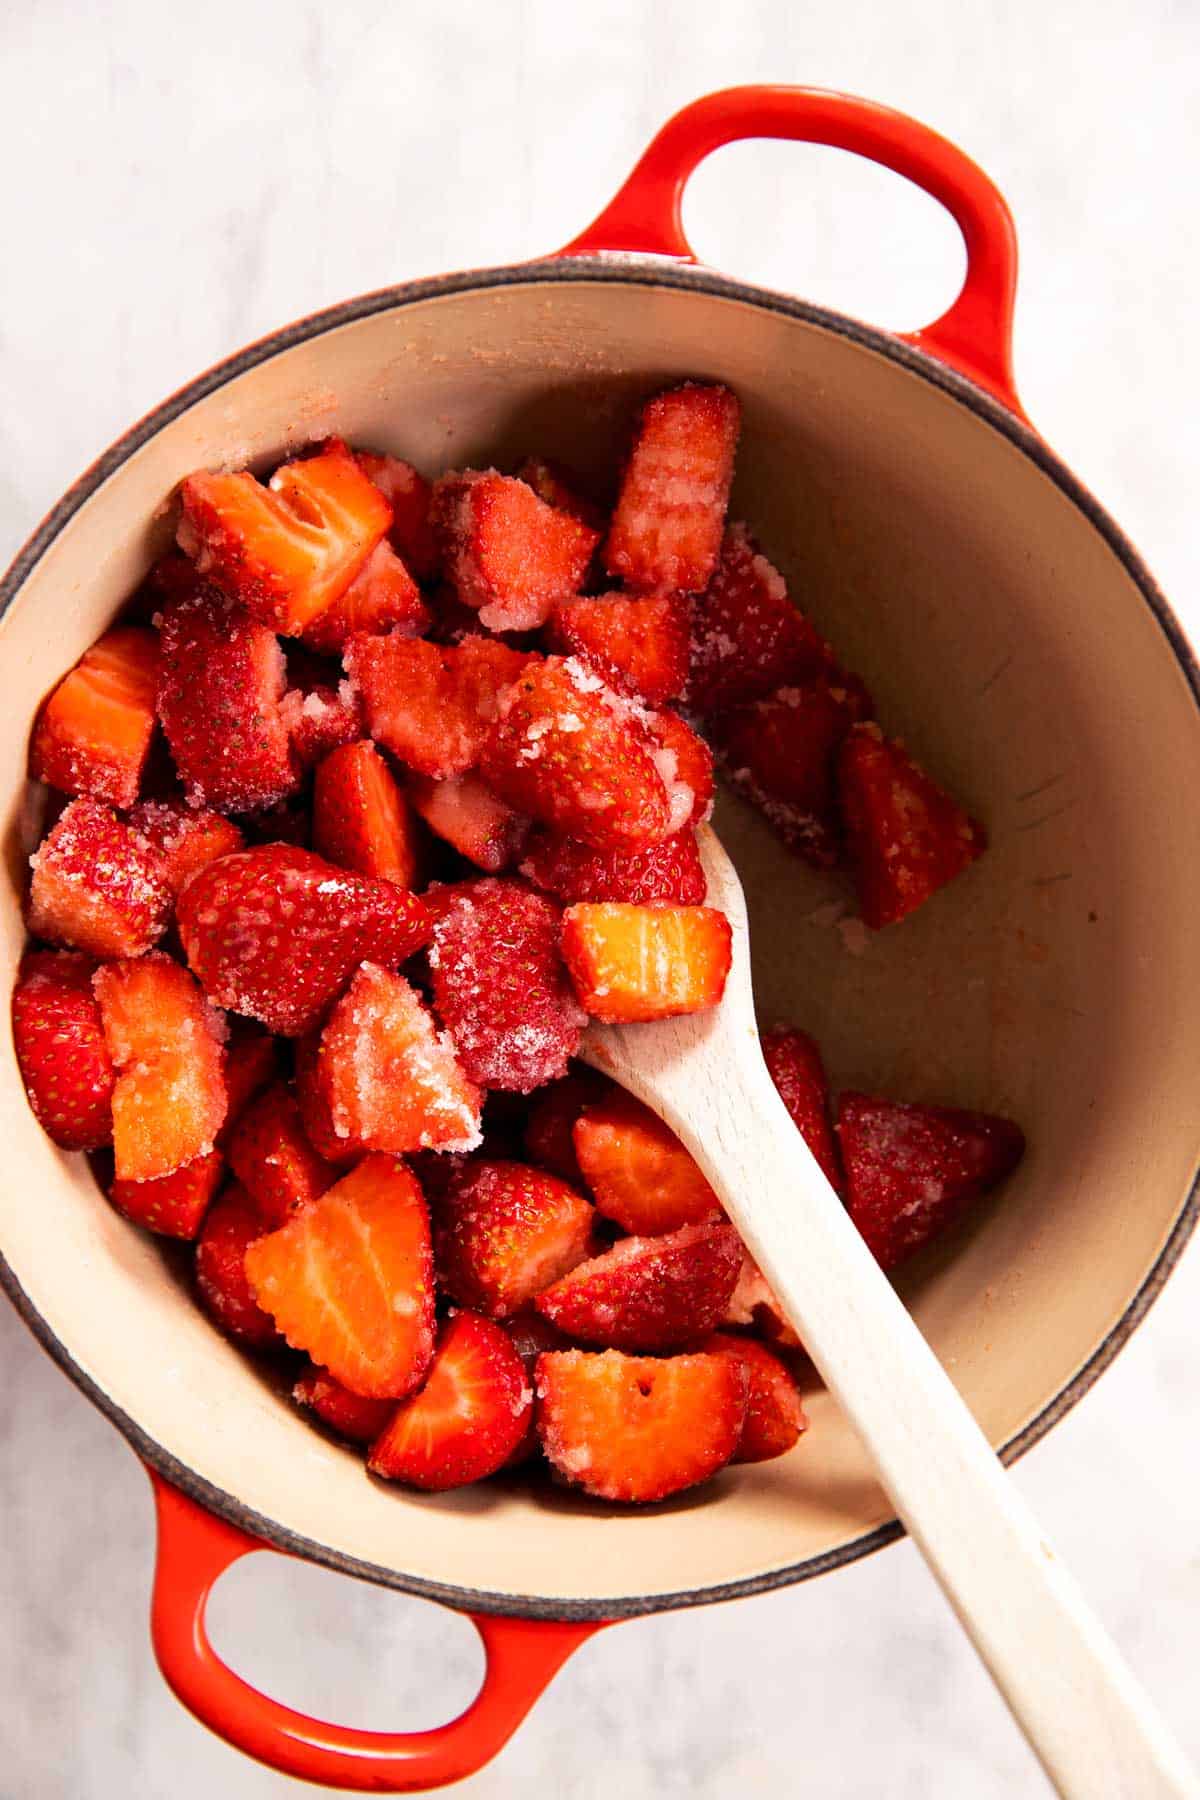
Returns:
<point x="1010" y="646"/>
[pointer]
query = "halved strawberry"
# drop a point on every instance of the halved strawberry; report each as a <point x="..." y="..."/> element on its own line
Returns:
<point x="464" y="811"/>
<point x="670" y="870"/>
<point x="507" y="553"/>
<point x="382" y="597"/>
<point x="97" y="884"/>
<point x="550" y="1122"/>
<point x="907" y="837"/>
<point x="747" y="636"/>
<point x="223" y="1288"/>
<point x="173" y="1205"/>
<point x="775" y="1417"/>
<point x="912" y="1170"/>
<point x="794" y="1063"/>
<point x="639" y="1427"/>
<point x="505" y="1232"/>
<point x="639" y="645"/>
<point x="250" y="1063"/>
<point x="755" y="1304"/>
<point x="185" y="839"/>
<point x="349" y="1278"/>
<point x="666" y="529"/>
<point x="638" y="1171"/>
<point x="467" y="1419"/>
<point x="635" y="963"/>
<point x="93" y="734"/>
<point x="289" y="550"/>
<point x="560" y="488"/>
<point x="432" y="705"/>
<point x="361" y="820"/>
<point x="272" y="1156"/>
<point x="61" y="1052"/>
<point x="275" y="932"/>
<point x="408" y="494"/>
<point x="692" y="761"/>
<point x="319" y="717"/>
<point x="352" y="1416"/>
<point x="649" y="1293"/>
<point x="500" y="985"/>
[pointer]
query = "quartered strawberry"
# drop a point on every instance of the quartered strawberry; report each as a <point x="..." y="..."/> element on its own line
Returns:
<point x="649" y="1293"/>
<point x="569" y="752"/>
<point x="361" y="820"/>
<point x="352" y="1416"/>
<point x="185" y="839"/>
<point x="666" y="529"/>
<point x="273" y="1157"/>
<point x="408" y="494"/>
<point x="572" y="870"/>
<point x="504" y="1232"/>
<point x="98" y="885"/>
<point x="907" y="838"/>
<point x="382" y="597"/>
<point x="912" y="1170"/>
<point x="319" y="718"/>
<point x="313" y="1101"/>
<point x="286" y="551"/>
<point x="560" y="488"/>
<point x="639" y="1427"/>
<point x="755" y="1305"/>
<point x="507" y="553"/>
<point x="93" y="734"/>
<point x="795" y="1066"/>
<point x="500" y="985"/>
<point x="692" y="761"/>
<point x="432" y="705"/>
<point x="223" y="1288"/>
<point x="349" y="1278"/>
<point x="747" y="636"/>
<point x="275" y="932"/>
<point x="638" y="1171"/>
<point x="636" y="963"/>
<point x="465" y="812"/>
<point x="250" y="1063"/>
<point x="550" y="1122"/>
<point x="173" y="1205"/>
<point x="60" y="1047"/>
<point x="775" y="1418"/>
<point x="386" y="1077"/>
<point x="639" y="645"/>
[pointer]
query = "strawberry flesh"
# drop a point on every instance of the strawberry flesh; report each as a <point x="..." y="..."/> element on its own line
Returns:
<point x="186" y="839"/>
<point x="98" y="885"/>
<point x="670" y="513"/>
<point x="775" y="1418"/>
<point x="432" y="705"/>
<point x="465" y="812"/>
<point x="632" y="964"/>
<point x="93" y="734"/>
<point x="507" y="554"/>
<point x="361" y="819"/>
<point x="640" y="646"/>
<point x="638" y="1172"/>
<point x="649" y="1293"/>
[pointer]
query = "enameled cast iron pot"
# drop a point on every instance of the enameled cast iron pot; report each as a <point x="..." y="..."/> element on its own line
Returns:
<point x="1010" y="635"/>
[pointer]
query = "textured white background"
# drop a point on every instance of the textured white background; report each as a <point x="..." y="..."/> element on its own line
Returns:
<point x="178" y="180"/>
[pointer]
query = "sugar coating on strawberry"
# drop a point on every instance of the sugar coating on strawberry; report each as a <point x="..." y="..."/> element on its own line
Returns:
<point x="432" y="705"/>
<point x="93" y="734"/>
<point x="794" y="1063"/>
<point x="274" y="1159"/>
<point x="231" y="1225"/>
<point x="185" y="839"/>
<point x="361" y="819"/>
<point x="505" y="1231"/>
<point x="912" y="1170"/>
<point x="352" y="1416"/>
<point x="573" y="871"/>
<point x="747" y="636"/>
<point x="691" y="766"/>
<point x="666" y="528"/>
<point x="500" y="985"/>
<point x="550" y="1122"/>
<point x="172" y="1205"/>
<point x="319" y="719"/>
<point x="754" y="1304"/>
<point x="637" y="1171"/>
<point x="408" y="494"/>
<point x="638" y="1428"/>
<point x="508" y="554"/>
<point x="98" y="885"/>
<point x="382" y="597"/>
<point x="559" y="487"/>
<point x="639" y="645"/>
<point x="315" y="1109"/>
<point x="775" y="1418"/>
<point x="465" y="812"/>
<point x="633" y="964"/>
<point x="61" y="1053"/>
<point x="649" y="1293"/>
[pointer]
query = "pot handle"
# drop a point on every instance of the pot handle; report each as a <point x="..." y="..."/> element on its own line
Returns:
<point x="195" y="1548"/>
<point x="974" y="335"/>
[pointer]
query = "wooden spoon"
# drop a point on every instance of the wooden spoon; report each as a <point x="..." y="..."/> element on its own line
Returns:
<point x="1081" y="1708"/>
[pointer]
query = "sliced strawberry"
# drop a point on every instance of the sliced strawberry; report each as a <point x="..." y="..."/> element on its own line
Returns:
<point x="568" y="751"/>
<point x="275" y="932"/>
<point x="912" y="1170"/>
<point x="382" y="597"/>
<point x="97" y="884"/>
<point x="319" y="718"/>
<point x="469" y="1416"/>
<point x="775" y="1417"/>
<point x="349" y="1278"/>
<point x="561" y="489"/>
<point x="464" y="811"/>
<point x="532" y="1336"/>
<point x="666" y="529"/>
<point x="223" y="1288"/>
<point x="507" y="553"/>
<point x="639" y="1427"/>
<point x="635" y="963"/>
<point x="649" y="1293"/>
<point x="795" y="1066"/>
<point x="173" y="1205"/>
<point x="550" y="1121"/>
<point x="408" y="494"/>
<point x="93" y="734"/>
<point x="505" y="1232"/>
<point x="692" y="761"/>
<point x="250" y="1063"/>
<point x="638" y="1171"/>
<point x="286" y="551"/>
<point x="500" y="985"/>
<point x="639" y="646"/>
<point x="575" y="871"/>
<point x="61" y="1052"/>
<point x="755" y="1304"/>
<point x="361" y="820"/>
<point x="352" y="1416"/>
<point x="387" y="1078"/>
<point x="315" y="1109"/>
<point x="272" y="1156"/>
<point x="185" y="839"/>
<point x="432" y="705"/>
<point x="747" y="636"/>
<point x="907" y="838"/>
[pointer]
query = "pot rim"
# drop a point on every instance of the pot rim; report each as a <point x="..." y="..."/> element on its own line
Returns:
<point x="644" y="271"/>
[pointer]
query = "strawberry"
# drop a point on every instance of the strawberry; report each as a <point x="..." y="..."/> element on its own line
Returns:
<point x="60" y="1048"/>
<point x="550" y="1120"/>
<point x="286" y="551"/>
<point x="382" y="597"/>
<point x="468" y="1418"/>
<point x="432" y="705"/>
<point x="560" y="488"/>
<point x="648" y="1293"/>
<point x="361" y="820"/>
<point x="93" y="734"/>
<point x="169" y="1100"/>
<point x="476" y="822"/>
<point x="98" y="885"/>
<point x="747" y="636"/>
<point x="532" y="1336"/>
<point x="349" y="1278"/>
<point x="670" y="870"/>
<point x="637" y="1169"/>
<point x="315" y="1109"/>
<point x="275" y="932"/>
<point x="640" y="646"/>
<point x="223" y="1288"/>
<point x="907" y="838"/>
<point x="775" y="1417"/>
<point x="505" y="1232"/>
<point x="639" y="1427"/>
<point x="186" y="840"/>
<point x="755" y="1304"/>
<point x="221" y="679"/>
<point x="507" y="553"/>
<point x="692" y="764"/>
<point x="635" y="963"/>
<point x="271" y="1155"/>
<point x="500" y="985"/>
<point x="287" y="822"/>
<point x="250" y="1063"/>
<point x="794" y="1063"/>
<point x="318" y="718"/>
<point x="388" y="1080"/>
<point x="350" y="1415"/>
<point x="408" y="494"/>
<point x="173" y="1205"/>
<point x="568" y="751"/>
<point x="666" y="529"/>
<point x="912" y="1170"/>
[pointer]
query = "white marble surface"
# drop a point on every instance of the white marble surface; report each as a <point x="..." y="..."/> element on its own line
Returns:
<point x="178" y="181"/>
